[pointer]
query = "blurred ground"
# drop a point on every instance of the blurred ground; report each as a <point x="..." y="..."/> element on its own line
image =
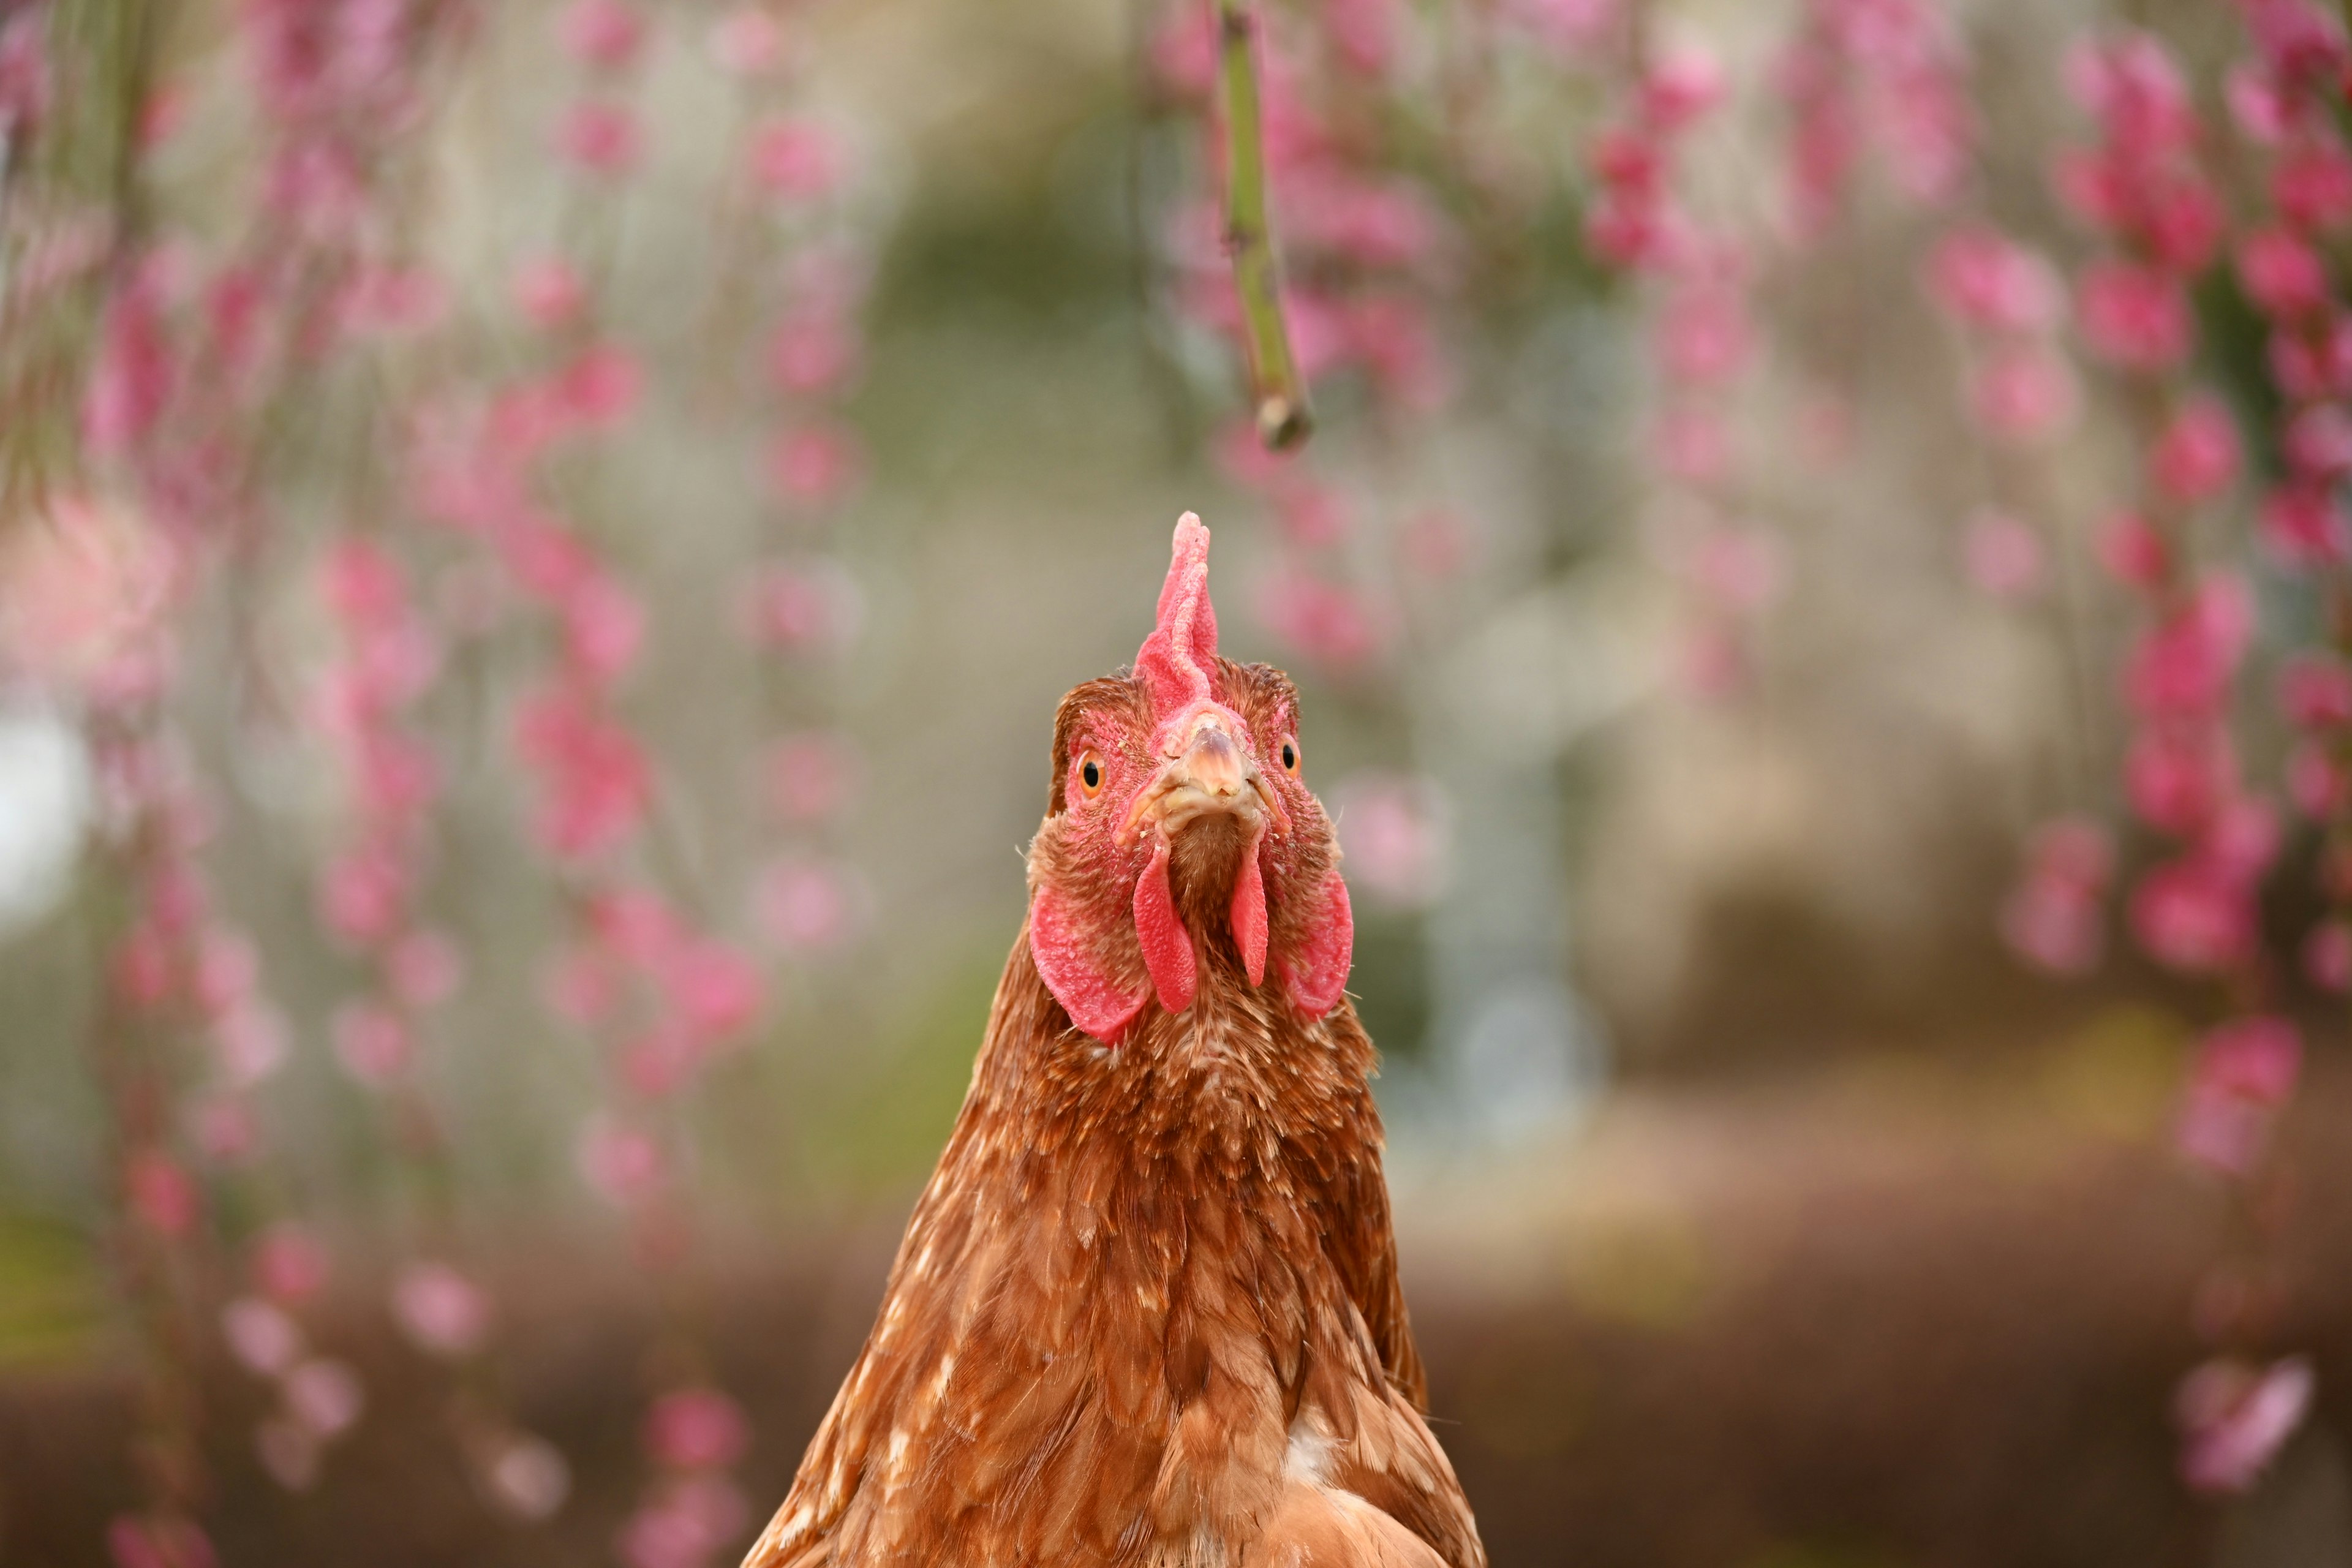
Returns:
<point x="1907" y="1310"/>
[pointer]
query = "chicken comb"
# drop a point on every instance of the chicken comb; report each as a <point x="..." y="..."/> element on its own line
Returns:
<point x="1173" y="663"/>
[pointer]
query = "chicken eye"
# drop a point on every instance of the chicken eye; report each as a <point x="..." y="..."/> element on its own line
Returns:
<point x="1090" y="775"/>
<point x="1290" y="757"/>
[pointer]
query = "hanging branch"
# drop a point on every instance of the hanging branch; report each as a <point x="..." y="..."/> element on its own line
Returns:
<point x="1284" y="419"/>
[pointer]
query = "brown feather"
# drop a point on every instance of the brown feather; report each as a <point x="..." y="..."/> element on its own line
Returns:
<point x="1146" y="1313"/>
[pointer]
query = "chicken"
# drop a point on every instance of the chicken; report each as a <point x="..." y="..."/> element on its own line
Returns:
<point x="1147" y="1311"/>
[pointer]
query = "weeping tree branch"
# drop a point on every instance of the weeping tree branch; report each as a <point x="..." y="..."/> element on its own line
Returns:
<point x="1279" y="395"/>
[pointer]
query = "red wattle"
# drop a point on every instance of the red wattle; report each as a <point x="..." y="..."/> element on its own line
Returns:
<point x="1073" y="970"/>
<point x="1249" y="912"/>
<point x="1167" y="945"/>
<point x="1318" y="973"/>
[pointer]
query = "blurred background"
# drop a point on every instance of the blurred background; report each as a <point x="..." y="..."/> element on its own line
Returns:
<point x="542" y="543"/>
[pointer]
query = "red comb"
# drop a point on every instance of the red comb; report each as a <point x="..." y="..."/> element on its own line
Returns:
<point x="1174" y="660"/>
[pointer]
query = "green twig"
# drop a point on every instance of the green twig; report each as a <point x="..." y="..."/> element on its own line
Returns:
<point x="1283" y="418"/>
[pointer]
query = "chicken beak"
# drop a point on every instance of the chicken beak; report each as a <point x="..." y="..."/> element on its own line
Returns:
<point x="1212" y="775"/>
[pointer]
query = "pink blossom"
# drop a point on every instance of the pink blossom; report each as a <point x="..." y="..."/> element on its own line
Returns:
<point x="135" y="371"/>
<point x="659" y="1062"/>
<point x="810" y="776"/>
<point x="1704" y="338"/>
<point x="528" y="1478"/>
<point x="1986" y="280"/>
<point x="600" y="388"/>
<point x="2190" y="918"/>
<point x="2312" y="184"/>
<point x="143" y="970"/>
<point x="2053" y="919"/>
<point x="2183" y="222"/>
<point x="2302" y="526"/>
<point x="24" y="78"/>
<point x="1568" y="26"/>
<point x="545" y="558"/>
<point x="603" y="34"/>
<point x="1692" y="446"/>
<point x="2004" y="557"/>
<point x="1683" y="82"/>
<point x="747" y="42"/>
<point x="2235" y="1418"/>
<point x="2196" y="456"/>
<point x="373" y="1042"/>
<point x="441" y="1310"/>
<point x="228" y="970"/>
<point x="2241" y="839"/>
<point x="363" y="895"/>
<point x="2256" y="105"/>
<point x="600" y="138"/>
<point x="84" y="591"/>
<point x="2327" y="957"/>
<point x="264" y="1340"/>
<point x="685" y="1526"/>
<point x="549" y="292"/>
<point x="604" y="625"/>
<point x="1740" y="569"/>
<point x="637" y="926"/>
<point x="2177" y="777"/>
<point x="806" y="906"/>
<point x="814" y="467"/>
<point x="1628" y="231"/>
<point x="2183" y="665"/>
<point x="796" y="160"/>
<point x="224" y="1128"/>
<point x="2054" y="926"/>
<point x="2077" y="852"/>
<point x="2318" y="442"/>
<point x="1393" y="830"/>
<point x="2025" y="391"/>
<point x="811" y="606"/>
<point x="1184" y="51"/>
<point x="2315" y="692"/>
<point x="1313" y="515"/>
<point x="716" y="990"/>
<point x="161" y="1193"/>
<point x="2315" y="782"/>
<point x="695" y="1429"/>
<point x="2133" y="317"/>
<point x="2132" y="551"/>
<point x="391" y="301"/>
<point x="1325" y="621"/>
<point x="2313" y="361"/>
<point x="813" y="352"/>
<point x="324" y="1396"/>
<point x="153" y="1541"/>
<point x="623" y="1165"/>
<point x="1362" y="34"/>
<point x="288" y="1266"/>
<point x="2132" y="85"/>
<point x="251" y="1042"/>
<point x="2281" y="273"/>
<point x="1712" y="663"/>
<point x="424" y="968"/>
<point x="595" y="782"/>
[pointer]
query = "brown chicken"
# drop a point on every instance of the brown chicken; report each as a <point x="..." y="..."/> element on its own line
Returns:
<point x="1147" y="1311"/>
